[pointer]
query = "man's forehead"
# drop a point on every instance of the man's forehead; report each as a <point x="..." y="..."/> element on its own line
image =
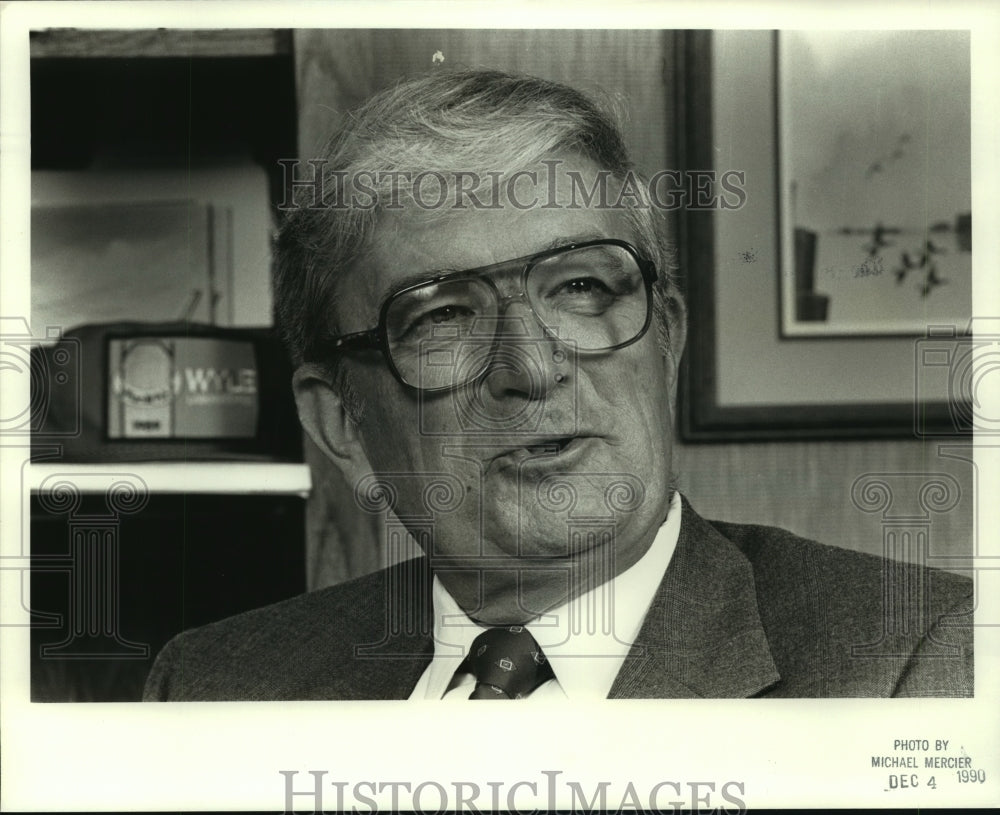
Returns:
<point x="438" y="265"/>
<point x="402" y="257"/>
<point x="434" y="252"/>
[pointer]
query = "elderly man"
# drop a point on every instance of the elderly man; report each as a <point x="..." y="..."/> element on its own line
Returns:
<point x="486" y="330"/>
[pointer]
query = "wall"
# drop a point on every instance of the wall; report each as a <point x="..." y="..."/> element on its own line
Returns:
<point x="338" y="69"/>
<point x="805" y="487"/>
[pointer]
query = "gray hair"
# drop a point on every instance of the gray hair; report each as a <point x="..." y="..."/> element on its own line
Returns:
<point x="449" y="120"/>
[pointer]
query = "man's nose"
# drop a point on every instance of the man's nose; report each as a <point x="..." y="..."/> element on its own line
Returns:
<point x="528" y="361"/>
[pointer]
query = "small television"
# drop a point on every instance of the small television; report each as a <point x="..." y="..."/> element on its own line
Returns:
<point x="164" y="391"/>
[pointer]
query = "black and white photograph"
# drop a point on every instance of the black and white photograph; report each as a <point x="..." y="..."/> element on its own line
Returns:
<point x="360" y="360"/>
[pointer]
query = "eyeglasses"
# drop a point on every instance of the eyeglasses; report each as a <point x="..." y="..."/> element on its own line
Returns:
<point x="444" y="332"/>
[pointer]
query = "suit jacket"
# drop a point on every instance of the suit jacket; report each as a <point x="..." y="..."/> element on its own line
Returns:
<point x="742" y="611"/>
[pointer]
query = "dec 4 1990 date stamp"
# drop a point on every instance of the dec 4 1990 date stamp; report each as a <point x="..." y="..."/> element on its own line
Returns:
<point x="927" y="763"/>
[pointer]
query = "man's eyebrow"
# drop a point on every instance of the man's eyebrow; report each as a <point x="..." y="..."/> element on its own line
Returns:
<point x="415" y="278"/>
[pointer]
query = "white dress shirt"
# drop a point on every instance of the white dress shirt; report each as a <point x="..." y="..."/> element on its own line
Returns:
<point x="584" y="641"/>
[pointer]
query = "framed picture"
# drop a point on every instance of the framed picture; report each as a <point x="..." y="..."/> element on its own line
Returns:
<point x="875" y="192"/>
<point x="154" y="244"/>
<point x="754" y="368"/>
<point x="162" y="260"/>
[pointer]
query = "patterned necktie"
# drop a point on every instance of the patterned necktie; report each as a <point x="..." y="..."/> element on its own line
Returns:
<point x="507" y="663"/>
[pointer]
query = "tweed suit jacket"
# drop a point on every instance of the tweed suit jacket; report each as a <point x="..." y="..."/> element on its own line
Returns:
<point x="742" y="611"/>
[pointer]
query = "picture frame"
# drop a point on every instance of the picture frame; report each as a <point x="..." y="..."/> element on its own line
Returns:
<point x="742" y="379"/>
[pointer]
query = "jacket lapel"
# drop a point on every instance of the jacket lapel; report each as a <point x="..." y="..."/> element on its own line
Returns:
<point x="702" y="636"/>
<point x="390" y="644"/>
<point x="392" y="674"/>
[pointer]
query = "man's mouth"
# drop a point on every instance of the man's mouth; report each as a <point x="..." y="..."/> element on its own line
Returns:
<point x="544" y="452"/>
<point x="554" y="446"/>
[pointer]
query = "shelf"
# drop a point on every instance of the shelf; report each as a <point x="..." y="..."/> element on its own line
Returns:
<point x="208" y="477"/>
<point x="159" y="42"/>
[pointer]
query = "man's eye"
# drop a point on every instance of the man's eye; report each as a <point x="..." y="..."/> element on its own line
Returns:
<point x="584" y="285"/>
<point x="446" y="314"/>
<point x="452" y="316"/>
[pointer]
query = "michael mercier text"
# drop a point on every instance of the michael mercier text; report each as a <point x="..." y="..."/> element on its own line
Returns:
<point x="312" y="790"/>
<point x="939" y="763"/>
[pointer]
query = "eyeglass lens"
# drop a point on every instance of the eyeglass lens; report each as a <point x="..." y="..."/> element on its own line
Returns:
<point x="441" y="334"/>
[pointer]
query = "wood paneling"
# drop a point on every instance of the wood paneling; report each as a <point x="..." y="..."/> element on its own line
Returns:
<point x="805" y="487"/>
<point x="339" y="69"/>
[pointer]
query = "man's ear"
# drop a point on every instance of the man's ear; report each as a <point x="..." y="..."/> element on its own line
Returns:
<point x="677" y="323"/>
<point x="324" y="418"/>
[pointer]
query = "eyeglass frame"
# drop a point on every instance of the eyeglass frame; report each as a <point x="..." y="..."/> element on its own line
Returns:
<point x="377" y="337"/>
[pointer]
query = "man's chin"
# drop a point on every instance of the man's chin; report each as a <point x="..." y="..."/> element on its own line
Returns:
<point x="523" y="593"/>
<point x="550" y="571"/>
<point x="499" y="596"/>
<point x="558" y="525"/>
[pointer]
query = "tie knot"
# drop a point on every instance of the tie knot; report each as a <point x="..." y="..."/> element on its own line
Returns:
<point x="507" y="663"/>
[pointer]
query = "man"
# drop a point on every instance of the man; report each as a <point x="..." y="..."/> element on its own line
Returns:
<point x="486" y="330"/>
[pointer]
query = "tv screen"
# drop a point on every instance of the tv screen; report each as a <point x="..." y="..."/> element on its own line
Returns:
<point x="163" y="391"/>
<point x="167" y="387"/>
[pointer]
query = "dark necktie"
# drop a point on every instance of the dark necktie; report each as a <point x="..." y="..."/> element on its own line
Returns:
<point x="507" y="663"/>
